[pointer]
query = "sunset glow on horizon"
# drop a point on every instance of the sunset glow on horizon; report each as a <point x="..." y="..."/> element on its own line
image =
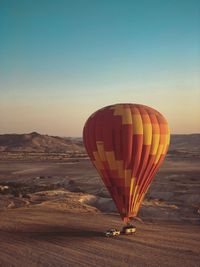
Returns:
<point x="63" y="60"/>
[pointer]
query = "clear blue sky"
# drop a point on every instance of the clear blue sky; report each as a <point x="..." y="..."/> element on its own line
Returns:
<point x="62" y="60"/>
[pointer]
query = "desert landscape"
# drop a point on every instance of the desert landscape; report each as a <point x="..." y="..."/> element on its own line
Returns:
<point x="54" y="207"/>
<point x="110" y="84"/>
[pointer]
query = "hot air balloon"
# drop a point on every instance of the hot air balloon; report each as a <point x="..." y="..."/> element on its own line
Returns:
<point x="127" y="143"/>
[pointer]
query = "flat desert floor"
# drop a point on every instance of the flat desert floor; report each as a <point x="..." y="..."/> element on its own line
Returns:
<point x="55" y="213"/>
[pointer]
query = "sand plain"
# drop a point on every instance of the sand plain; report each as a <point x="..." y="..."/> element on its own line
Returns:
<point x="55" y="213"/>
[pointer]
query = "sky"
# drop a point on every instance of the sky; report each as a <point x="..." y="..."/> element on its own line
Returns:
<point x="61" y="60"/>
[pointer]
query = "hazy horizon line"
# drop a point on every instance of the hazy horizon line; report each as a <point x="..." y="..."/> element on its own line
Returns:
<point x="78" y="136"/>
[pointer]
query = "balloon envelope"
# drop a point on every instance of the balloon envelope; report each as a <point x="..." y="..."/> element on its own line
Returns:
<point x="127" y="144"/>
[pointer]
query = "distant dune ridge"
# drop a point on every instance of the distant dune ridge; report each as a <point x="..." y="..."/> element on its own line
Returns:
<point x="35" y="142"/>
<point x="184" y="144"/>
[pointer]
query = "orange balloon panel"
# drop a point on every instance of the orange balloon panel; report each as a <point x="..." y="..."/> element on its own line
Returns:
<point x="126" y="143"/>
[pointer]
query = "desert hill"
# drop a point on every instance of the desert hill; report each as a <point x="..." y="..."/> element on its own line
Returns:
<point x="181" y="144"/>
<point x="35" y="142"/>
<point x="184" y="144"/>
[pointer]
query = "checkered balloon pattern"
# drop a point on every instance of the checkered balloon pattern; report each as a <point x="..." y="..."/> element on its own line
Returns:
<point x="127" y="143"/>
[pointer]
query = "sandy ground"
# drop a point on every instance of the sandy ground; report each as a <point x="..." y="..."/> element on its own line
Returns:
<point x="54" y="214"/>
<point x="174" y="194"/>
<point x="44" y="236"/>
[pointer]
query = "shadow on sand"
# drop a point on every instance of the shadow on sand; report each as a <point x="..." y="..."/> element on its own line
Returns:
<point x="51" y="232"/>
